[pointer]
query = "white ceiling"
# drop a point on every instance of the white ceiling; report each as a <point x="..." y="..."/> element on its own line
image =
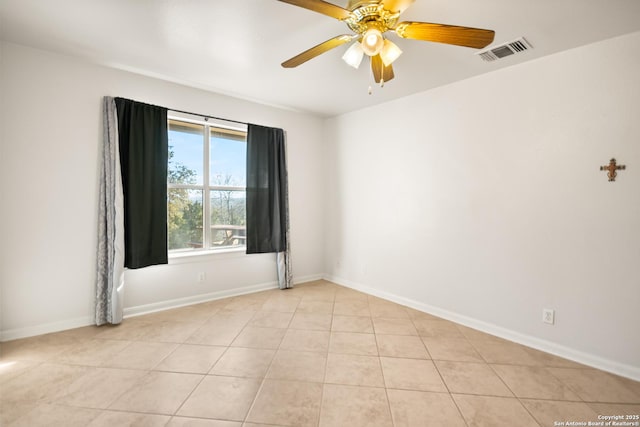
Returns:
<point x="235" y="47"/>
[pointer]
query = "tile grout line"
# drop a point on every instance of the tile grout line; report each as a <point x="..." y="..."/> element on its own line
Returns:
<point x="264" y="378"/>
<point x="464" y="419"/>
<point x="214" y="363"/>
<point x="173" y="351"/>
<point x="384" y="378"/>
<point x="326" y="360"/>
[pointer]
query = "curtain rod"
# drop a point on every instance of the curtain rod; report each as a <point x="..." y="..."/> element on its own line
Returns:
<point x="194" y="114"/>
<point x="207" y="116"/>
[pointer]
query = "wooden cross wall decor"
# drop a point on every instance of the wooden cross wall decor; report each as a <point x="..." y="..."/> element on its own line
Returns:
<point x="612" y="168"/>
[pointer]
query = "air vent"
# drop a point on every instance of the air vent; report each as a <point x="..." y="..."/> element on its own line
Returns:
<point x="505" y="49"/>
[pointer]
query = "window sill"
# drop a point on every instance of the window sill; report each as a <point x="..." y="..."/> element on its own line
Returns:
<point x="202" y="255"/>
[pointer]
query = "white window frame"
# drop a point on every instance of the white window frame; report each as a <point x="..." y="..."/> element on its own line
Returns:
<point x="206" y="187"/>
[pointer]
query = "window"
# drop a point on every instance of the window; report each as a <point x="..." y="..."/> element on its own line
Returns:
<point x="206" y="185"/>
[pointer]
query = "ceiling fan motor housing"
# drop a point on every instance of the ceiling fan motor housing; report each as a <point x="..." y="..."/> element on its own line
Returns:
<point x="371" y="15"/>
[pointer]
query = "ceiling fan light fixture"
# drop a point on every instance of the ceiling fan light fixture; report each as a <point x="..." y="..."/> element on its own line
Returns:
<point x="369" y="20"/>
<point x="372" y="41"/>
<point x="353" y="56"/>
<point x="390" y="52"/>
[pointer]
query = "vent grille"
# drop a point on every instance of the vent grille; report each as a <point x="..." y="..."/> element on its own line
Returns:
<point x="505" y="49"/>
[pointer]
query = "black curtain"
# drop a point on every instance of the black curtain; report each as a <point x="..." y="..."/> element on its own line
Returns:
<point x="266" y="190"/>
<point x="142" y="131"/>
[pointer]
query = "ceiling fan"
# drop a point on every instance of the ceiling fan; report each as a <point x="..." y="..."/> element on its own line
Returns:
<point x="369" y="20"/>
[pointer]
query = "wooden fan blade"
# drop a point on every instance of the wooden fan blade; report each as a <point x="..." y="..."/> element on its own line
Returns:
<point x="398" y="6"/>
<point x="317" y="50"/>
<point x="449" y="34"/>
<point x="380" y="71"/>
<point x="321" y="7"/>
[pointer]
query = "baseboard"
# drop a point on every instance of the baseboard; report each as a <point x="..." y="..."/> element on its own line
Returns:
<point x="63" y="325"/>
<point x="140" y="310"/>
<point x="45" y="328"/>
<point x="308" y="278"/>
<point x="628" y="371"/>
<point x="212" y="296"/>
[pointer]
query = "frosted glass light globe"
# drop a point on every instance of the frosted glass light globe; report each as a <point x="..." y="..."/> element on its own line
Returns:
<point x="372" y="42"/>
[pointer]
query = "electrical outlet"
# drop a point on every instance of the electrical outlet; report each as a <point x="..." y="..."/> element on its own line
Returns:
<point x="201" y="277"/>
<point x="548" y="316"/>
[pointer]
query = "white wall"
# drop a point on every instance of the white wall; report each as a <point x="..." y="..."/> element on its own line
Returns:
<point x="51" y="134"/>
<point x="483" y="201"/>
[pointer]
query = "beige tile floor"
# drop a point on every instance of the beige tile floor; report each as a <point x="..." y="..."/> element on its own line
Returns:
<point x="315" y="355"/>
